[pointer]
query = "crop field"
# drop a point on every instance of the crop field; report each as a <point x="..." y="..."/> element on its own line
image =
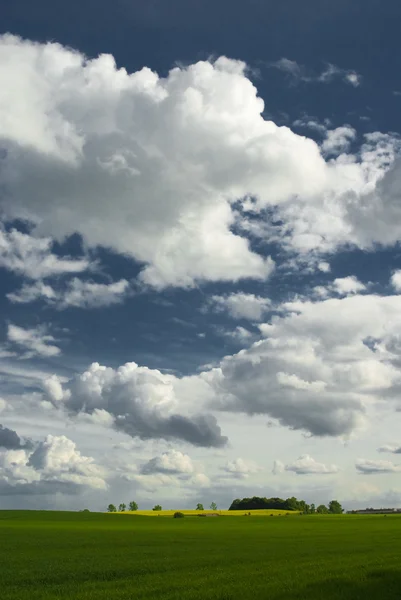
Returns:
<point x="88" y="556"/>
<point x="227" y="513"/>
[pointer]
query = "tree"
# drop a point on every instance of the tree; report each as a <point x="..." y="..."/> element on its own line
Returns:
<point x="213" y="506"/>
<point x="335" y="507"/>
<point x="157" y="507"/>
<point x="178" y="515"/>
<point x="133" y="506"/>
<point x="122" y="507"/>
<point x="322" y="509"/>
<point x="312" y="509"/>
<point x="199" y="507"/>
<point x="111" y="508"/>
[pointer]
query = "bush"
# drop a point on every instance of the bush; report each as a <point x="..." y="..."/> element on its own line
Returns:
<point x="179" y="515"/>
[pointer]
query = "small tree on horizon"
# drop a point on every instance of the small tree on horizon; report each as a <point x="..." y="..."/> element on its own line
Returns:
<point x="199" y="507"/>
<point x="111" y="508"/>
<point x="133" y="505"/>
<point x="213" y="506"/>
<point x="122" y="507"/>
<point x="322" y="509"/>
<point x="157" y="507"/>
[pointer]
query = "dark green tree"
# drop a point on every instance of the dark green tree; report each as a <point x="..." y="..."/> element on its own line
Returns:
<point x="335" y="507"/>
<point x="322" y="509"/>
<point x="312" y="509"/>
<point x="111" y="508"/>
<point x="122" y="507"/>
<point x="213" y="506"/>
<point x="133" y="506"/>
<point x="157" y="507"/>
<point x="199" y="507"/>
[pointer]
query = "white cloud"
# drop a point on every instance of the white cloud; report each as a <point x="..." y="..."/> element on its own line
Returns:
<point x="35" y="341"/>
<point x="171" y="462"/>
<point x="174" y="154"/>
<point x="370" y="467"/>
<point x="240" y="468"/>
<point x="396" y="280"/>
<point x="324" y="266"/>
<point x="338" y="140"/>
<point x="76" y="293"/>
<point x="314" y="370"/>
<point x="240" y="305"/>
<point x="306" y="465"/>
<point x="33" y="257"/>
<point x="300" y="73"/>
<point x="55" y="464"/>
<point x="143" y="403"/>
<point x="348" y="285"/>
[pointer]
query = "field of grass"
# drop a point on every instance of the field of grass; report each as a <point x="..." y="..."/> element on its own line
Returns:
<point x="87" y="556"/>
<point x="194" y="513"/>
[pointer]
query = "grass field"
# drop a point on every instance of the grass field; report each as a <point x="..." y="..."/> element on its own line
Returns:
<point x="87" y="556"/>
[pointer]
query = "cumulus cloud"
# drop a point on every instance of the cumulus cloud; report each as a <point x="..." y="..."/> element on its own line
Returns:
<point x="240" y="305"/>
<point x="171" y="462"/>
<point x="240" y="468"/>
<point x="396" y="280"/>
<point x="54" y="465"/>
<point x="76" y="293"/>
<point x="313" y="370"/>
<point x="143" y="403"/>
<point x="35" y="341"/>
<point x="371" y="467"/>
<point x="306" y="465"/>
<point x="338" y="140"/>
<point x="341" y="286"/>
<point x="391" y="448"/>
<point x="175" y="154"/>
<point x="33" y="257"/>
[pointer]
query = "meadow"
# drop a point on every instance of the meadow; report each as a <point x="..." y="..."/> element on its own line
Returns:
<point x="88" y="556"/>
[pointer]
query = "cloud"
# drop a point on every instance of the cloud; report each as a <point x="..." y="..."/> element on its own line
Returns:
<point x="32" y="256"/>
<point x="176" y="155"/>
<point x="392" y="448"/>
<point x="143" y="402"/>
<point x="172" y="462"/>
<point x="35" y="341"/>
<point x="240" y="468"/>
<point x="396" y="280"/>
<point x="313" y="370"/>
<point x="54" y="465"/>
<point x="338" y="140"/>
<point x="10" y="439"/>
<point x="240" y="306"/>
<point x="306" y="465"/>
<point x="370" y="467"/>
<point x="324" y="266"/>
<point x="77" y="294"/>
<point x="299" y="72"/>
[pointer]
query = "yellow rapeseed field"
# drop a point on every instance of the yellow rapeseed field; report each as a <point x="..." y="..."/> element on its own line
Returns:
<point x="230" y="513"/>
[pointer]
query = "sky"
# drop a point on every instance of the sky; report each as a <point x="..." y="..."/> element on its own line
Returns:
<point x="200" y="275"/>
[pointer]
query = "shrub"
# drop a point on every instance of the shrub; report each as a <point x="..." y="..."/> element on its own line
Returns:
<point x="179" y="515"/>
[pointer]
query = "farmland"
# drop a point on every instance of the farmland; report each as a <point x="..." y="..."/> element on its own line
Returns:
<point x="227" y="513"/>
<point x="87" y="556"/>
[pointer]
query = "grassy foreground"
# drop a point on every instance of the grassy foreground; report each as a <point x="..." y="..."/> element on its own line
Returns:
<point x="86" y="556"/>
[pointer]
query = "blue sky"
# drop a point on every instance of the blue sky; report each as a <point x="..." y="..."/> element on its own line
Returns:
<point x="199" y="252"/>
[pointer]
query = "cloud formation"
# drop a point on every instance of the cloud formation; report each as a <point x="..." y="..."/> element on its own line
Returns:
<point x="175" y="154"/>
<point x="172" y="462"/>
<point x="76" y="293"/>
<point x="10" y="440"/>
<point x="371" y="467"/>
<point x="306" y="465"/>
<point x="240" y="306"/>
<point x="35" y="341"/>
<point x="143" y="403"/>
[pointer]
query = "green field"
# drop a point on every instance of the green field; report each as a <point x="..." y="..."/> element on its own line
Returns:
<point x="86" y="556"/>
<point x="227" y="513"/>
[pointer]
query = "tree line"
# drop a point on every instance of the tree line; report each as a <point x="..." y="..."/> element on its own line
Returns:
<point x="256" y="503"/>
